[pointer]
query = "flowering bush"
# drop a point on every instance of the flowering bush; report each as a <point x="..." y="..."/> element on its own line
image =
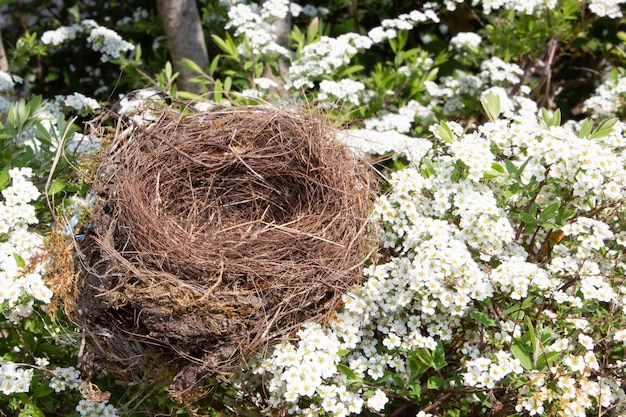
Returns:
<point x="498" y="284"/>
<point x="503" y="269"/>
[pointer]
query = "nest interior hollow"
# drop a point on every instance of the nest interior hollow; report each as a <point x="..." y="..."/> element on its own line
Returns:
<point x="218" y="233"/>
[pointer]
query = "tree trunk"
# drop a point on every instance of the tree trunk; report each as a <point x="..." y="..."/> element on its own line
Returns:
<point x="181" y="22"/>
<point x="4" y="62"/>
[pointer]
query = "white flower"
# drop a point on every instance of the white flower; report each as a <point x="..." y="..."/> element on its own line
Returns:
<point x="256" y="25"/>
<point x="609" y="8"/>
<point x="275" y="9"/>
<point x="7" y="82"/>
<point x="78" y="102"/>
<point x="607" y="99"/>
<point x="379" y="34"/>
<point x="377" y="401"/>
<point x="14" y="379"/>
<point x="465" y="40"/>
<point x="265" y="83"/>
<point x="620" y="335"/>
<point x="586" y="341"/>
<point x="345" y="89"/>
<point x="61" y="34"/>
<point x="495" y="70"/>
<point x="324" y="56"/>
<point x="295" y="9"/>
<point x="108" y="42"/>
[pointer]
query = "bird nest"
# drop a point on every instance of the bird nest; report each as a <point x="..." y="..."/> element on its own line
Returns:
<point x="217" y="234"/>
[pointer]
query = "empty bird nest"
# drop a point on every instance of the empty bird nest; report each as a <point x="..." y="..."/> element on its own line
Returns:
<point x="216" y="234"/>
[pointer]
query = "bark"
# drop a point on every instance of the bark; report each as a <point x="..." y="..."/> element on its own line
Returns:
<point x="4" y="62"/>
<point x="181" y="22"/>
<point x="281" y="29"/>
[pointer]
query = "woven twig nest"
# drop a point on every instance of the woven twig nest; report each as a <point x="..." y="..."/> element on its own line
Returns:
<point x="218" y="233"/>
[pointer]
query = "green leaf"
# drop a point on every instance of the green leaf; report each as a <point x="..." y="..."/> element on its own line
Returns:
<point x="547" y="360"/>
<point x="549" y="225"/>
<point x="213" y="65"/>
<point x="226" y="45"/>
<point x="549" y="212"/>
<point x="553" y="120"/>
<point x="221" y="43"/>
<point x="415" y="391"/>
<point x="41" y="389"/>
<point x="434" y="382"/>
<point x="349" y="373"/>
<point x="527" y="218"/>
<point x="217" y="91"/>
<point x="497" y="170"/>
<point x="4" y="176"/>
<point x="523" y="166"/>
<point x="351" y="70"/>
<point x="585" y="128"/>
<point x="439" y="357"/>
<point x="519" y="352"/>
<point x="416" y="368"/>
<point x="491" y="105"/>
<point x="511" y="190"/>
<point x="35" y="326"/>
<point x="31" y="410"/>
<point x="427" y="168"/>
<point x="483" y="318"/>
<point x="191" y="65"/>
<point x="57" y="185"/>
<point x="444" y="132"/>
<point x="511" y="168"/>
<point x="186" y="95"/>
<point x="564" y="214"/>
<point x="19" y="260"/>
<point x="605" y="128"/>
<point x="312" y="30"/>
<point x="532" y="335"/>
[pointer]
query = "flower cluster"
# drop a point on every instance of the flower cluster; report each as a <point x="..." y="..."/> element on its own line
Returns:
<point x="345" y="89"/>
<point x="324" y="57"/>
<point x="14" y="379"/>
<point x="484" y="372"/>
<point x="374" y="142"/>
<point x="138" y="15"/>
<point x="77" y="102"/>
<point x="456" y="246"/>
<point x="101" y="39"/>
<point x="464" y="41"/>
<point x="388" y="27"/>
<point x="256" y="24"/>
<point x="21" y="268"/>
<point x="7" y="87"/>
<point x="400" y="121"/>
<point x="7" y="81"/>
<point x="497" y="72"/>
<point x="608" y="98"/>
<point x="61" y="34"/>
<point x="65" y="378"/>
<point x="107" y="42"/>
<point x="602" y="8"/>
<point x="608" y="8"/>
<point x="308" y="10"/>
<point x="88" y="408"/>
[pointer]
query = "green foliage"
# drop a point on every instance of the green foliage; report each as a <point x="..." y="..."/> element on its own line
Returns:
<point x="561" y="52"/>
